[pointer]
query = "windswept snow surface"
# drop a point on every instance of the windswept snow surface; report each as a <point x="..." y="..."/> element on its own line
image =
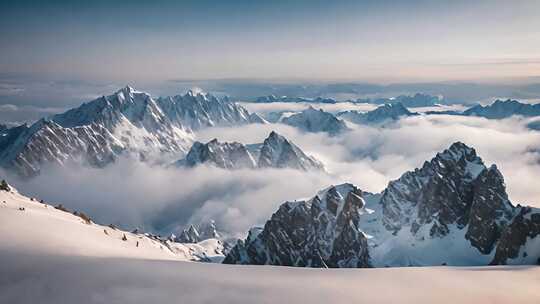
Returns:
<point x="50" y="256"/>
<point x="29" y="226"/>
<point x="31" y="278"/>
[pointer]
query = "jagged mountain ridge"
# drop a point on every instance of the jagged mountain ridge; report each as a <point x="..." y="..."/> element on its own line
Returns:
<point x="126" y="122"/>
<point x="500" y="109"/>
<point x="453" y="211"/>
<point x="275" y="152"/>
<point x="312" y="120"/>
<point x="389" y="112"/>
<point x="201" y="232"/>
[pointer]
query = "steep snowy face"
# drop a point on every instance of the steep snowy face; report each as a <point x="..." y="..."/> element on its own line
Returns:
<point x="275" y="152"/>
<point x="311" y="120"/>
<point x="386" y="113"/>
<point x="126" y="122"/>
<point x="47" y="142"/>
<point x="224" y="155"/>
<point x="278" y="152"/>
<point x="137" y="107"/>
<point x="320" y="232"/>
<point x="504" y="109"/>
<point x="452" y="211"/>
<point x="197" y="110"/>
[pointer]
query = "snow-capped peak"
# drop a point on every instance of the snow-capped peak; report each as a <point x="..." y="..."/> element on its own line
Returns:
<point x="312" y="120"/>
<point x="430" y="216"/>
<point x="128" y="121"/>
<point x="275" y="152"/>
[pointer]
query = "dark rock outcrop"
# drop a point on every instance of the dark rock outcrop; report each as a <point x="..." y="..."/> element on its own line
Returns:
<point x="441" y="192"/>
<point x="453" y="210"/>
<point x="526" y="225"/>
<point x="321" y="232"/>
<point x="490" y="212"/>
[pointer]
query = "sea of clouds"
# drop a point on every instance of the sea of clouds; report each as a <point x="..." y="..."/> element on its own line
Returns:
<point x="163" y="199"/>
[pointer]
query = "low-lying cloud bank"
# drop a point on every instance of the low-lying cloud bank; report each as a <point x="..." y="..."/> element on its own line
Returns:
<point x="158" y="199"/>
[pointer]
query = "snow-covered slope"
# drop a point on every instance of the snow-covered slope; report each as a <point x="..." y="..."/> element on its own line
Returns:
<point x="85" y="280"/>
<point x="275" y="152"/>
<point x="312" y="120"/>
<point x="452" y="211"/>
<point x="126" y="122"/>
<point x="29" y="225"/>
<point x="389" y="112"/>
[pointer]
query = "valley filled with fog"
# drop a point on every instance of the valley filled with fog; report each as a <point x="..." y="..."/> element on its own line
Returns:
<point x="164" y="199"/>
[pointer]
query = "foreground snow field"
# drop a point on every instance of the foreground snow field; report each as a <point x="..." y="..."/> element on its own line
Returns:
<point x="49" y="256"/>
<point x="32" y="278"/>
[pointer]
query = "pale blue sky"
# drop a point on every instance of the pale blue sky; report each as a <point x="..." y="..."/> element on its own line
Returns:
<point x="376" y="41"/>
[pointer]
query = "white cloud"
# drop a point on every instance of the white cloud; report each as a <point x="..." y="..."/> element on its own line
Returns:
<point x="161" y="199"/>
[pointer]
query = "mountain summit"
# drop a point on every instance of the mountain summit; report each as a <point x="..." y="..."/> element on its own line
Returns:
<point x="312" y="120"/>
<point x="452" y="211"/>
<point x="386" y="113"/>
<point x="126" y="122"/>
<point x="275" y="152"/>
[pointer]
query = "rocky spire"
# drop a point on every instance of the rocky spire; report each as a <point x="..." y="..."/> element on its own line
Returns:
<point x="321" y="232"/>
<point x="189" y="235"/>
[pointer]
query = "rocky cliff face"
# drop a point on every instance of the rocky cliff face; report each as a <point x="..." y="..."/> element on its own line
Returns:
<point x="453" y="211"/>
<point x="490" y="210"/>
<point x="520" y="241"/>
<point x="321" y="232"/>
<point x="440" y="192"/>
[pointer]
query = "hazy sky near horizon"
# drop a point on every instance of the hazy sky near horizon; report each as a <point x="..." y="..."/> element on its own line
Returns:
<point x="380" y="41"/>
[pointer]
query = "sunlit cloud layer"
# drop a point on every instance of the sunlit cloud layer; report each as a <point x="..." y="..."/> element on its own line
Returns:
<point x="160" y="199"/>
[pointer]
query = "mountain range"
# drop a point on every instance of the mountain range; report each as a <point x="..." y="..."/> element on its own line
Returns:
<point x="410" y="101"/>
<point x="503" y="109"/>
<point x="415" y="101"/>
<point x="383" y="114"/>
<point x="452" y="211"/>
<point x="273" y="98"/>
<point x="275" y="152"/>
<point x="312" y="120"/>
<point x="499" y="109"/>
<point x="127" y="122"/>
